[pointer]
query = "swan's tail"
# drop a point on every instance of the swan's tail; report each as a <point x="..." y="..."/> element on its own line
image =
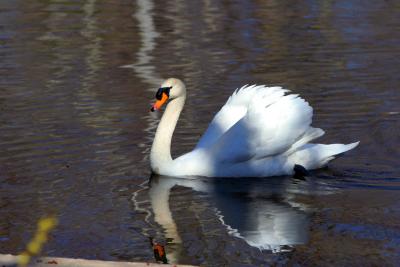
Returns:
<point x="314" y="156"/>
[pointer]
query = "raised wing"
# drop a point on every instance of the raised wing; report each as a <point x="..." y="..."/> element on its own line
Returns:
<point x="274" y="123"/>
<point x="234" y="110"/>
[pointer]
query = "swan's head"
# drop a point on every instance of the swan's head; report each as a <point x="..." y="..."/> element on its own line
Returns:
<point x="170" y="89"/>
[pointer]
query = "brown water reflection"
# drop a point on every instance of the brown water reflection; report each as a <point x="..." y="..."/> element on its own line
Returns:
<point x="76" y="82"/>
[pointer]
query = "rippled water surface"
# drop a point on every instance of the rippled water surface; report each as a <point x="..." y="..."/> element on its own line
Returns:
<point x="76" y="82"/>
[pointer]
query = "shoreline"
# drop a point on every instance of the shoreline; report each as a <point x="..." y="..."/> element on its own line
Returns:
<point x="9" y="260"/>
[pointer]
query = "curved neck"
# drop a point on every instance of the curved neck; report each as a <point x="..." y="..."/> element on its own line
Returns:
<point x="160" y="155"/>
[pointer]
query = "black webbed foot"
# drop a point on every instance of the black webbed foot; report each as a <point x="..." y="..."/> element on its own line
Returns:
<point x="300" y="172"/>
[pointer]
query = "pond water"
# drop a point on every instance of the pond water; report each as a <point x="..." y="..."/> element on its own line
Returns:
<point x="76" y="82"/>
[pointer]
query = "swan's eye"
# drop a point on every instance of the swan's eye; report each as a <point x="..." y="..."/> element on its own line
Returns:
<point x="161" y="91"/>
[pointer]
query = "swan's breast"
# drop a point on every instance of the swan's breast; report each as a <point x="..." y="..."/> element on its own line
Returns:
<point x="197" y="162"/>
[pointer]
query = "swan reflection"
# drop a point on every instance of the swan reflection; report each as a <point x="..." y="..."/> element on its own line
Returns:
<point x="260" y="211"/>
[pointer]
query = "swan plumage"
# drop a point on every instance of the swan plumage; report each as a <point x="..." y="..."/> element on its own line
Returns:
<point x="260" y="131"/>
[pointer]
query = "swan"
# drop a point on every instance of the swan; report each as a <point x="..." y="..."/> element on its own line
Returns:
<point x="259" y="132"/>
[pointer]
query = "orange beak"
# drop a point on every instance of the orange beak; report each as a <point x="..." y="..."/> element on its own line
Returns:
<point x="159" y="103"/>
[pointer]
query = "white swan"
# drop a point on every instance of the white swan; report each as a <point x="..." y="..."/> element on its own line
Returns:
<point x="259" y="132"/>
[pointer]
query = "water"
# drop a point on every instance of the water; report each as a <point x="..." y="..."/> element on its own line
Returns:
<point x="76" y="82"/>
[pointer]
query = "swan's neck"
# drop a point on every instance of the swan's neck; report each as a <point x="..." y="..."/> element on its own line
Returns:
<point x="160" y="155"/>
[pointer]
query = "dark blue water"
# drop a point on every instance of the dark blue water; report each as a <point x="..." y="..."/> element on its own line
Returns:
<point x="76" y="82"/>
